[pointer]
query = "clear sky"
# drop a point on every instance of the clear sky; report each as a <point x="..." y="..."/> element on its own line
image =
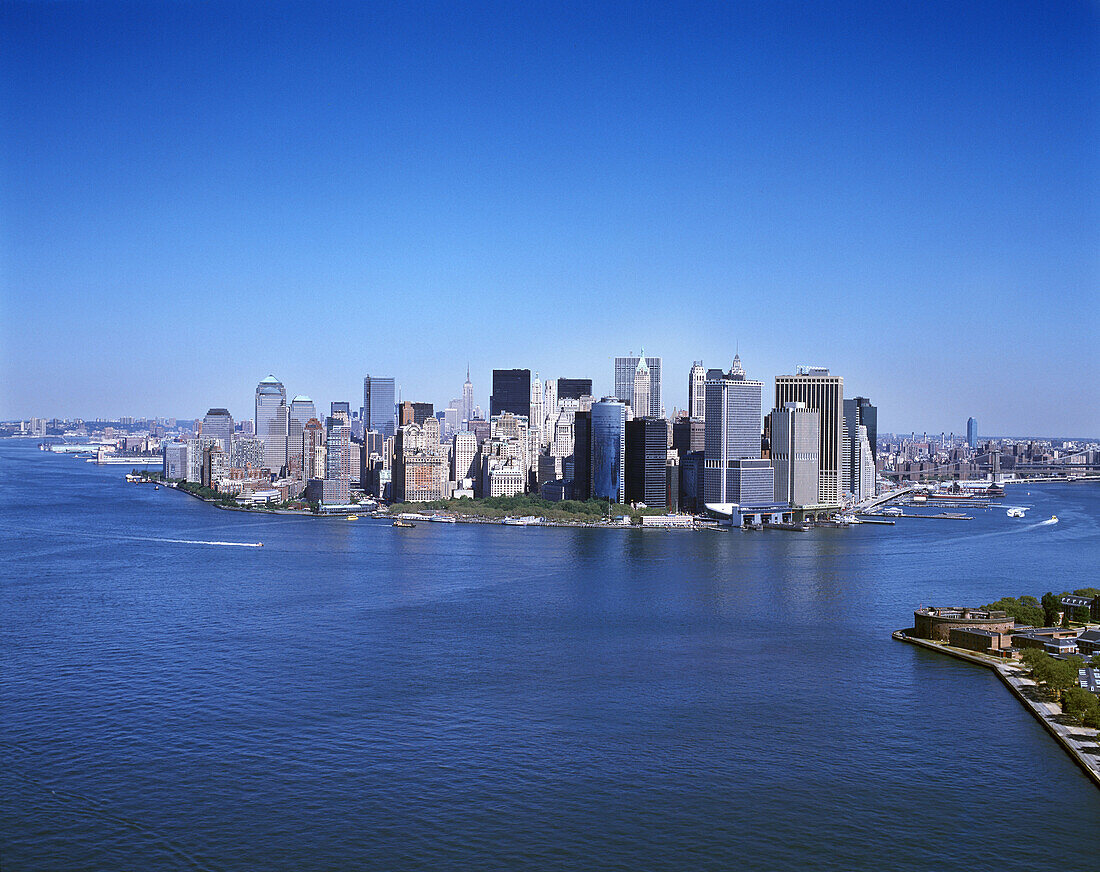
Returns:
<point x="195" y="194"/>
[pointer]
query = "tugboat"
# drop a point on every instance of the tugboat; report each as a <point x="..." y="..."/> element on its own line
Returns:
<point x="400" y="523"/>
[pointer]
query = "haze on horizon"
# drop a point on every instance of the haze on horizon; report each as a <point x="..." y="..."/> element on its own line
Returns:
<point x="194" y="195"/>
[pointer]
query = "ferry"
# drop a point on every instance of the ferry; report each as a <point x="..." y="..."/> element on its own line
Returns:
<point x="1015" y="512"/>
<point x="442" y="519"/>
<point x="353" y="517"/>
<point x="400" y="523"/>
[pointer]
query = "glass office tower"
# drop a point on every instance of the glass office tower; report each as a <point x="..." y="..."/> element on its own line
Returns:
<point x="608" y="449"/>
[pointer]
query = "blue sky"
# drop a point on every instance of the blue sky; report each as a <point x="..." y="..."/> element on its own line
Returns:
<point x="196" y="194"/>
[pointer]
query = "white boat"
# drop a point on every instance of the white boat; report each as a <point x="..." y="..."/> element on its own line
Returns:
<point x="1015" y="512"/>
<point x="893" y="512"/>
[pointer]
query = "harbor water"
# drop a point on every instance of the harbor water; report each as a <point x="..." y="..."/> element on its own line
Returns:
<point x="353" y="695"/>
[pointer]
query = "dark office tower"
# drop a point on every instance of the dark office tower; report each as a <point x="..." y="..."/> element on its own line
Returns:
<point x="688" y="434"/>
<point x="646" y="462"/>
<point x="341" y="409"/>
<point x="219" y="424"/>
<point x="859" y="438"/>
<point x="574" y="388"/>
<point x="511" y="392"/>
<point x="422" y="412"/>
<point x="972" y="432"/>
<point x="582" y="456"/>
<point x="379" y="396"/>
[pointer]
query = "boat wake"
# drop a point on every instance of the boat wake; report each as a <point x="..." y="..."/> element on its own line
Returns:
<point x="195" y="542"/>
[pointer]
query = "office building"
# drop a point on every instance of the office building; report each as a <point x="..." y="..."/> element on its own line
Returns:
<point x="688" y="434"/>
<point x="247" y="453"/>
<point x="511" y="392"/>
<point x="174" y="464"/>
<point x="421" y="412"/>
<point x="626" y="370"/>
<point x="467" y="397"/>
<point x="379" y="405"/>
<point x="860" y="436"/>
<point x="271" y="422"/>
<point x="582" y="455"/>
<point x="574" y="388"/>
<point x="646" y="474"/>
<point x="302" y="410"/>
<point x="824" y="394"/>
<point x="419" y="464"/>
<point x="313" y="450"/>
<point x="972" y="432"/>
<point x="537" y="420"/>
<point x="795" y="442"/>
<point x="341" y="408"/>
<point x="337" y="460"/>
<point x="463" y="457"/>
<point x="608" y="449"/>
<point x="734" y="472"/>
<point x="218" y="424"/>
<point x="697" y="391"/>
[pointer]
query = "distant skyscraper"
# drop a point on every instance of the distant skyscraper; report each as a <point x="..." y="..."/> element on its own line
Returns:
<point x="218" y="423"/>
<point x="467" y="397"/>
<point x="574" y="388"/>
<point x="301" y="410"/>
<point x="379" y="405"/>
<point x="344" y="409"/>
<point x="337" y="460"/>
<point x="582" y="455"/>
<point x="639" y="402"/>
<point x="824" y="394"/>
<point x="511" y="392"/>
<point x="646" y="458"/>
<point x="313" y="450"/>
<point x="972" y="432"/>
<point x="608" y="452"/>
<point x="697" y="391"/>
<point x="795" y="442"/>
<point x="537" y="420"/>
<point x="733" y="470"/>
<point x="625" y="370"/>
<point x="271" y="422"/>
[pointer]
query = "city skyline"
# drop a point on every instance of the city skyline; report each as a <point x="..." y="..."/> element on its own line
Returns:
<point x="917" y="211"/>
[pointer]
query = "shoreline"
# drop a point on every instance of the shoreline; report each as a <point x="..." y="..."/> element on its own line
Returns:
<point x="1070" y="738"/>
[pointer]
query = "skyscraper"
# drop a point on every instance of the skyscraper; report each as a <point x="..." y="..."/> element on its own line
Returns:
<point x="574" y="388"/>
<point x="972" y="432"/>
<point x="733" y="471"/>
<point x="860" y="436"/>
<point x="625" y="370"/>
<point x="313" y="450"/>
<point x="697" y="391"/>
<point x="795" y="442"/>
<point x="824" y="394"/>
<point x="301" y="410"/>
<point x="337" y="460"/>
<point x="582" y="455"/>
<point x="218" y="423"/>
<point x="379" y="409"/>
<point x="511" y="392"/>
<point x="467" y="397"/>
<point x="646" y="458"/>
<point x="271" y="422"/>
<point x="639" y="402"/>
<point x="608" y="449"/>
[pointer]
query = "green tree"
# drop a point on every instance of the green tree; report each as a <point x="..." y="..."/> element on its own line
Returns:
<point x="1078" y="702"/>
<point x="1094" y="661"/>
<point x="1052" y="607"/>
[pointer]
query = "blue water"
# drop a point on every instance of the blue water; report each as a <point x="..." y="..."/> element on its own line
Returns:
<point x="453" y="697"/>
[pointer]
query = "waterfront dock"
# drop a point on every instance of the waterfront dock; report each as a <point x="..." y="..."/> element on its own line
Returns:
<point x="1081" y="743"/>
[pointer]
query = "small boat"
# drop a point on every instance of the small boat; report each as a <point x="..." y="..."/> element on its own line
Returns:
<point x="353" y="517"/>
<point x="1053" y="519"/>
<point x="1015" y="512"/>
<point x="156" y="487"/>
<point x="400" y="523"/>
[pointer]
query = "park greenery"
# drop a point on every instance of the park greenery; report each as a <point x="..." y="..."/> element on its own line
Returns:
<point x="1059" y="678"/>
<point x="527" y="505"/>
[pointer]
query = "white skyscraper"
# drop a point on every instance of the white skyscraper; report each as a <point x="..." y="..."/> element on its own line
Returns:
<point x="697" y="391"/>
<point x="467" y="397"/>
